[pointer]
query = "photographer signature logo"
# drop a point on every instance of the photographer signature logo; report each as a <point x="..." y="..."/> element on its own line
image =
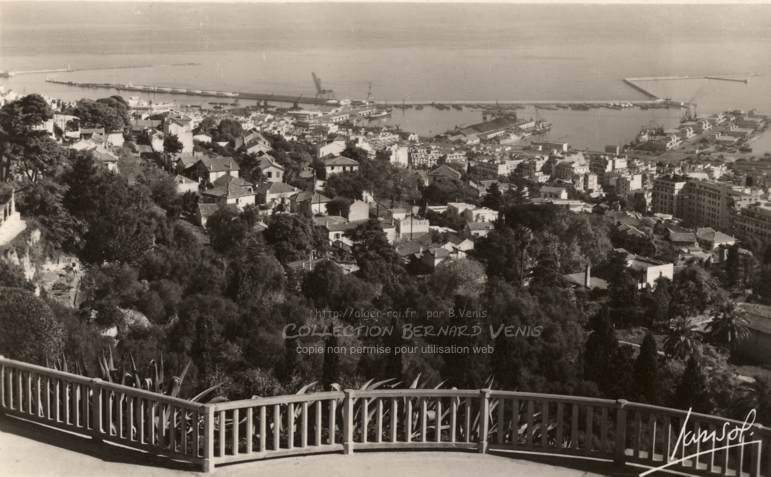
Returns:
<point x="730" y="436"/>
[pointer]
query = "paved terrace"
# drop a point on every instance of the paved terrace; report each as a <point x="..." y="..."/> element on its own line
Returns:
<point x="27" y="449"/>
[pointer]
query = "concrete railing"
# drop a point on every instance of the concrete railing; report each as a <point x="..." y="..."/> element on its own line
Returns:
<point x="473" y="420"/>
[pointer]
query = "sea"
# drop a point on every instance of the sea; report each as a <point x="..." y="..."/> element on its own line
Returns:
<point x="403" y="52"/>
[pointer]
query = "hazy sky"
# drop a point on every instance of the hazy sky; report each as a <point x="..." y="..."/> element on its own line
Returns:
<point x="735" y="2"/>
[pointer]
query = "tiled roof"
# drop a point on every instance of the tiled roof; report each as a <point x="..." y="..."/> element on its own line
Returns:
<point x="340" y="161"/>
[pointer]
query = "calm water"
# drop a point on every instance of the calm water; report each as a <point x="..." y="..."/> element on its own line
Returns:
<point x="412" y="52"/>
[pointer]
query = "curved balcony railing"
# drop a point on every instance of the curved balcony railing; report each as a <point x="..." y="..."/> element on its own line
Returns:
<point x="474" y="420"/>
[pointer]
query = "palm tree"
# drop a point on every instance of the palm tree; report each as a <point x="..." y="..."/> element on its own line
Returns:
<point x="728" y="326"/>
<point x="683" y="340"/>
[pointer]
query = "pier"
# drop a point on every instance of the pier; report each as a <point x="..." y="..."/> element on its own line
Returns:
<point x="68" y="69"/>
<point x="634" y="82"/>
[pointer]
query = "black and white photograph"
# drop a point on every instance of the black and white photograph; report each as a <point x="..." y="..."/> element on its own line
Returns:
<point x="379" y="238"/>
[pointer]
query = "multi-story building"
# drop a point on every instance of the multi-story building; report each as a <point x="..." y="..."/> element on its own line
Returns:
<point x="666" y="195"/>
<point x="753" y="222"/>
<point x="706" y="204"/>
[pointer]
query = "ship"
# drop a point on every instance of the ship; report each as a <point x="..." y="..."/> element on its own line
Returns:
<point x="380" y="114"/>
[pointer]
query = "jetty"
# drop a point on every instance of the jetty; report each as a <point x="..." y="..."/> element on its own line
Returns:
<point x="68" y="69"/>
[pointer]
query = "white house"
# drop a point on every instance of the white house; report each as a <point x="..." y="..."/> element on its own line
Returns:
<point x="230" y="190"/>
<point x="339" y="164"/>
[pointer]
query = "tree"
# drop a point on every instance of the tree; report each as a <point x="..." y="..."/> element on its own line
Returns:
<point x="377" y="260"/>
<point x="693" y="291"/>
<point x="505" y="253"/>
<point x="331" y="367"/>
<point x="12" y="276"/>
<point x="120" y="223"/>
<point x="682" y="340"/>
<point x="226" y="229"/>
<point x="290" y="236"/>
<point x="171" y="146"/>
<point x="44" y="201"/>
<point x="24" y="149"/>
<point x="30" y="332"/>
<point x="600" y="349"/>
<point x="254" y="277"/>
<point x="494" y="198"/>
<point x="728" y="326"/>
<point x="646" y="371"/>
<point x="756" y="395"/>
<point x="228" y="130"/>
<point x="356" y="153"/>
<point x="109" y="113"/>
<point x="339" y="206"/>
<point x="692" y="391"/>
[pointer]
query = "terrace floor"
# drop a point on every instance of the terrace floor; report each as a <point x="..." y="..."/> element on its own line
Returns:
<point x="29" y="450"/>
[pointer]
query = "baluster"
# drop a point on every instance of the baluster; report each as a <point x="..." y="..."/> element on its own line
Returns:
<point x="96" y="408"/>
<point x="132" y="419"/>
<point x="196" y="416"/>
<point x="263" y="429"/>
<point x="39" y="402"/>
<point x="172" y="428"/>
<point x="453" y="419"/>
<point x="29" y="393"/>
<point x="604" y="430"/>
<point x="768" y="456"/>
<point x="652" y="432"/>
<point x="589" y="432"/>
<point x="408" y="423"/>
<point x="468" y="419"/>
<point x="318" y="422"/>
<point x="530" y="425"/>
<point x="153" y="422"/>
<point x="48" y="398"/>
<point x="514" y="423"/>
<point x="332" y="420"/>
<point x="501" y="411"/>
<point x="394" y="420"/>
<point x="712" y="454"/>
<point x="2" y="384"/>
<point x="438" y="420"/>
<point x="249" y="429"/>
<point x="223" y="438"/>
<point x="740" y="464"/>
<point x="667" y="438"/>
<point x="304" y="426"/>
<point x="754" y="469"/>
<point x="276" y="426"/>
<point x="379" y="420"/>
<point x="183" y="429"/>
<point x="726" y="461"/>
<point x="68" y="396"/>
<point x="142" y="423"/>
<point x="364" y="419"/>
<point x="560" y="423"/>
<point x="636" y="437"/>
<point x="423" y="419"/>
<point x="290" y="426"/>
<point x="574" y="427"/>
<point x="58" y="400"/>
<point x="76" y="405"/>
<point x="19" y="391"/>
<point x="544" y="423"/>
<point x="236" y="425"/>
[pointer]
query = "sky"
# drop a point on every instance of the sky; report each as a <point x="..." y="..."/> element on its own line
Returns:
<point x="685" y="2"/>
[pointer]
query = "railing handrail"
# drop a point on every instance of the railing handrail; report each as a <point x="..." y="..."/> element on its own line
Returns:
<point x="108" y="385"/>
<point x="224" y="432"/>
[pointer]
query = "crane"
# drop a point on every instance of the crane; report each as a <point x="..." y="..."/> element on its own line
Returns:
<point x="320" y="91"/>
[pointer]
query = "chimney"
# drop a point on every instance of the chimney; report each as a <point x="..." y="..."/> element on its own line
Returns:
<point x="588" y="275"/>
